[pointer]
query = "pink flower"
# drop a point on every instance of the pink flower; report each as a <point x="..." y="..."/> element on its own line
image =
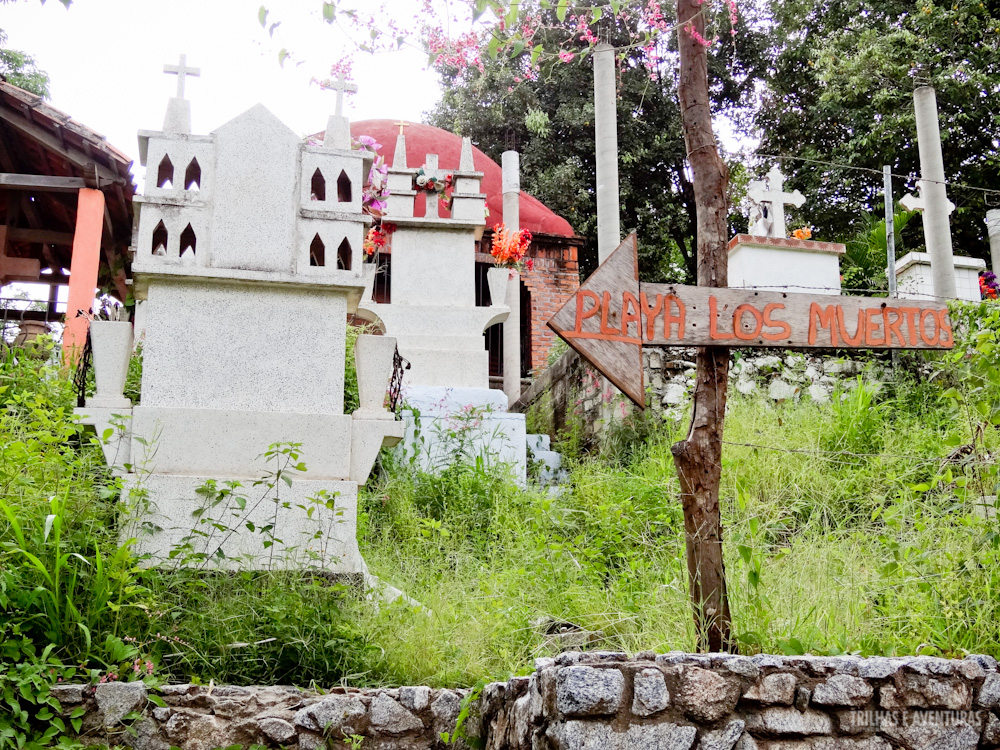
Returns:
<point x="566" y="56"/>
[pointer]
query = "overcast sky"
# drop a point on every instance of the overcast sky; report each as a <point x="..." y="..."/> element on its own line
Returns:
<point x="105" y="59"/>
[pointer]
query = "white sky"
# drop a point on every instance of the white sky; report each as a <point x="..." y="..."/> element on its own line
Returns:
<point x="105" y="60"/>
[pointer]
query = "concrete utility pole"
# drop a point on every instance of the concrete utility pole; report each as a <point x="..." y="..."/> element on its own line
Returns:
<point x="511" y="183"/>
<point x="993" y="230"/>
<point x="606" y="138"/>
<point x="890" y="231"/>
<point x="937" y="226"/>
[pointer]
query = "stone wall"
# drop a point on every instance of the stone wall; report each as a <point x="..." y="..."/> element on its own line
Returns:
<point x="198" y="717"/>
<point x="675" y="701"/>
<point x="586" y="701"/>
<point x="573" y="388"/>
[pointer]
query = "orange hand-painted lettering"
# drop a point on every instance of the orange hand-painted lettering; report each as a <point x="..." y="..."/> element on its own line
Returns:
<point x="871" y="326"/>
<point x="820" y="318"/>
<point x="635" y="316"/>
<point x="581" y="314"/>
<point x="769" y="322"/>
<point x="713" y="319"/>
<point x="650" y="313"/>
<point x="738" y="322"/>
<point x="670" y="318"/>
<point x="605" y="308"/>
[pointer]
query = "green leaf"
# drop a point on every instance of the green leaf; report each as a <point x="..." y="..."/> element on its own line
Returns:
<point x="561" y="10"/>
<point x="511" y="18"/>
<point x="329" y="12"/>
<point x="262" y="16"/>
<point x="517" y="48"/>
<point x="597" y="13"/>
<point x="282" y="56"/>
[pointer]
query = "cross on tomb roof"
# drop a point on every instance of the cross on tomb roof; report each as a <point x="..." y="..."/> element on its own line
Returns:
<point x="775" y="198"/>
<point x="912" y="203"/>
<point x="181" y="70"/>
<point x="340" y="86"/>
<point x="402" y="124"/>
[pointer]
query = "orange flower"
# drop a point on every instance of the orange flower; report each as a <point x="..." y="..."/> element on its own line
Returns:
<point x="508" y="247"/>
<point x="802" y="234"/>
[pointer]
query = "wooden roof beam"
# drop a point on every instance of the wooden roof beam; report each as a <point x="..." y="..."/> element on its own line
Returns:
<point x="52" y="143"/>
<point x="40" y="183"/>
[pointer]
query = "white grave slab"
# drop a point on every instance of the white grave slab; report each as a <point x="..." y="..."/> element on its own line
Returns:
<point x="245" y="333"/>
<point x="915" y="281"/>
<point x="783" y="264"/>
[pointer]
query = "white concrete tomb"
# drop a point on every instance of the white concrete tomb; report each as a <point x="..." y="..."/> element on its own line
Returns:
<point x="915" y="281"/>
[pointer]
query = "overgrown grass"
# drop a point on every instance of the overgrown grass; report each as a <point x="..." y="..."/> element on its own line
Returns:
<point x="847" y="529"/>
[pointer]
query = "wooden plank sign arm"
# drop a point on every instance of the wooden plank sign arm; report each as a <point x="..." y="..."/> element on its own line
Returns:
<point x="601" y="321"/>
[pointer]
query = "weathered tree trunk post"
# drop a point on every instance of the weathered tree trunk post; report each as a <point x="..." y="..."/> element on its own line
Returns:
<point x="698" y="458"/>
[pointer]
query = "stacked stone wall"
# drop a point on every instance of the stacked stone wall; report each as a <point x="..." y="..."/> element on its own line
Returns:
<point x="585" y="701"/>
<point x="607" y="701"/>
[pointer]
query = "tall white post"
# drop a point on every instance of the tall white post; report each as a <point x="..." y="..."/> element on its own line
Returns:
<point x="937" y="226"/>
<point x="511" y="183"/>
<point x="606" y="137"/>
<point x="993" y="230"/>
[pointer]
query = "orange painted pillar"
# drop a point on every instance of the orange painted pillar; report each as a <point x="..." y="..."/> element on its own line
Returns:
<point x="83" y="269"/>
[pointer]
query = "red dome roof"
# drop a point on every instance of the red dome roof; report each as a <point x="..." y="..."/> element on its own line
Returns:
<point x="426" y="139"/>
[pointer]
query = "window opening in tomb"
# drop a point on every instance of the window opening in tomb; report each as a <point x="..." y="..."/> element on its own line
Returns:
<point x="317" y="252"/>
<point x="188" y="240"/>
<point x="165" y="173"/>
<point x="344" y="256"/>
<point x="344" y="187"/>
<point x="318" y="187"/>
<point x="192" y="176"/>
<point x="159" y="243"/>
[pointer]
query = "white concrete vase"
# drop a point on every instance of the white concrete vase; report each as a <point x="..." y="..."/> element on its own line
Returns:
<point x="111" y="343"/>
<point x="368" y="271"/>
<point x="373" y="357"/>
<point x="497" y="279"/>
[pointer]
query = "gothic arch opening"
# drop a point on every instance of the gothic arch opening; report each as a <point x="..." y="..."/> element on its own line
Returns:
<point x="165" y="173"/>
<point x="160" y="237"/>
<point x="317" y="252"/>
<point x="188" y="240"/>
<point x="318" y="186"/>
<point x="344" y="256"/>
<point x="344" y="187"/>
<point x="192" y="176"/>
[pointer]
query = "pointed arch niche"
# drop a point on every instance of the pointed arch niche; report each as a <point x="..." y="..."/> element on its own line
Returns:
<point x="189" y="241"/>
<point x="158" y="245"/>
<point x="318" y="186"/>
<point x="344" y="256"/>
<point x="192" y="176"/>
<point x="343" y="187"/>
<point x="317" y="252"/>
<point x="165" y="173"/>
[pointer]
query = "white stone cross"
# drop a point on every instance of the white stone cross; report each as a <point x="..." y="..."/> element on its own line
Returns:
<point x="776" y="199"/>
<point x="182" y="71"/>
<point x="340" y="86"/>
<point x="912" y="203"/>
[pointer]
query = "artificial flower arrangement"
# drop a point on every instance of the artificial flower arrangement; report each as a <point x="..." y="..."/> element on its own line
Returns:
<point x="509" y="247"/>
<point x="988" y="286"/>
<point x="443" y="187"/>
<point x="802" y="234"/>
<point x="378" y="237"/>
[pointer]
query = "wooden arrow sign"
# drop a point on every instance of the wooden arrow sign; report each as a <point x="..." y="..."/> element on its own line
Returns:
<point x="594" y="323"/>
<point x="612" y="315"/>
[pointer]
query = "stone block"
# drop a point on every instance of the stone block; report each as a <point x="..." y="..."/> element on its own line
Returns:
<point x="707" y="696"/>
<point x="989" y="693"/>
<point x="277" y="730"/>
<point x="586" y="691"/>
<point x="991" y="731"/>
<point x="415" y="698"/>
<point x="783" y="722"/>
<point x="842" y="690"/>
<point x="589" y="735"/>
<point x="115" y="699"/>
<point x="773" y="690"/>
<point x="722" y="739"/>
<point x="934" y="734"/>
<point x="343" y="714"/>
<point x="388" y="716"/>
<point x="67" y="694"/>
<point x="650" y="694"/>
<point x="920" y="691"/>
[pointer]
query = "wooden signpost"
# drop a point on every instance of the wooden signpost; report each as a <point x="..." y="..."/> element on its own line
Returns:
<point x="612" y="315"/>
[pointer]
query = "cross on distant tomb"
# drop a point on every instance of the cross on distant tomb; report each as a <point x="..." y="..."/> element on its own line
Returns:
<point x="772" y="195"/>
<point x="913" y="203"/>
<point x="402" y="124"/>
<point x="340" y="86"/>
<point x="182" y="71"/>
